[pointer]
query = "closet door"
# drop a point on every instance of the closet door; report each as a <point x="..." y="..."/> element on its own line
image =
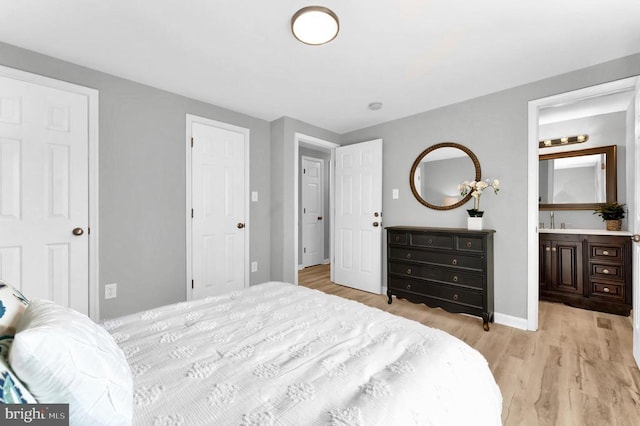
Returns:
<point x="44" y="192"/>
<point x="219" y="194"/>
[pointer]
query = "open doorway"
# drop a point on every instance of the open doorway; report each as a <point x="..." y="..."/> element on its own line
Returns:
<point x="319" y="154"/>
<point x="607" y="114"/>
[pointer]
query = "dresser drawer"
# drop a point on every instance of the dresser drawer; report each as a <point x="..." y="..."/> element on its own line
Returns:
<point x="438" y="291"/>
<point x="611" y="252"/>
<point x="397" y="237"/>
<point x="437" y="258"/>
<point x="610" y="272"/>
<point x="432" y="240"/>
<point x="470" y="244"/>
<point x="433" y="273"/>
<point x="614" y="291"/>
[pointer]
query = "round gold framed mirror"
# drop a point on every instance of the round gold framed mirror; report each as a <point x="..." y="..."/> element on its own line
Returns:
<point x="437" y="172"/>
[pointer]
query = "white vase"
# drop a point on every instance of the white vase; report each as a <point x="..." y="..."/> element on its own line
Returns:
<point x="474" y="223"/>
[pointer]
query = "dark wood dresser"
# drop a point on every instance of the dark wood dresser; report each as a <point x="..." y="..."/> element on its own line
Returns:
<point x="586" y="271"/>
<point x="449" y="268"/>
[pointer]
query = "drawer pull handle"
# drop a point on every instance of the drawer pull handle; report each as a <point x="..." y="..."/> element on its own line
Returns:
<point x="606" y="289"/>
<point x="455" y="297"/>
<point x="430" y="241"/>
<point x="455" y="278"/>
<point x="409" y="271"/>
<point x="408" y="286"/>
<point x="553" y="249"/>
<point x="547" y="249"/>
<point x="408" y="255"/>
<point x="605" y="253"/>
<point x="454" y="262"/>
<point x="469" y="244"/>
<point x="605" y="271"/>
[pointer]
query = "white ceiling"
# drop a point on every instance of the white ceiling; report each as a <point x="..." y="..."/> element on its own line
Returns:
<point x="411" y="55"/>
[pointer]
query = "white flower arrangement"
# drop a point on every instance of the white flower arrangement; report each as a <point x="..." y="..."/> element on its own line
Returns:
<point x="477" y="188"/>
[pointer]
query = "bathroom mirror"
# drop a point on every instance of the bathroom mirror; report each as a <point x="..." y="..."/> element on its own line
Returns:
<point x="578" y="180"/>
<point x="437" y="172"/>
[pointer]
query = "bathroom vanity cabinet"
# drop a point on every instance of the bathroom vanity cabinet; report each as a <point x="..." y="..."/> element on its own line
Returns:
<point x="586" y="270"/>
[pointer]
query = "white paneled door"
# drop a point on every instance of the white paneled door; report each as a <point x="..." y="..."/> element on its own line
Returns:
<point x="358" y="216"/>
<point x="219" y="203"/>
<point x="44" y="192"/>
<point x="312" y="211"/>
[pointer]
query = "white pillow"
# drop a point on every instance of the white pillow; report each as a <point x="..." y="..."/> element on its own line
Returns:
<point x="64" y="357"/>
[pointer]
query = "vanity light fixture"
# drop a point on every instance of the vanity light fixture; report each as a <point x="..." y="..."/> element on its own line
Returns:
<point x="315" y="25"/>
<point x="567" y="140"/>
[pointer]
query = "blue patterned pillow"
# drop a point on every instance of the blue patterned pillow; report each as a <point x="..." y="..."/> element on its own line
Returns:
<point x="12" y="391"/>
<point x="12" y="306"/>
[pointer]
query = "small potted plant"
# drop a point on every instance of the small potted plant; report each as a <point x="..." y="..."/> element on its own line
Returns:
<point x="612" y="214"/>
<point x="474" y="221"/>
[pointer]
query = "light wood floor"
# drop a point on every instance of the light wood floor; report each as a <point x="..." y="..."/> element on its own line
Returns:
<point x="577" y="369"/>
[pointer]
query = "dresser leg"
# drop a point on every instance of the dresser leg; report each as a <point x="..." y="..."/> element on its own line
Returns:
<point x="486" y="317"/>
<point x="389" y="296"/>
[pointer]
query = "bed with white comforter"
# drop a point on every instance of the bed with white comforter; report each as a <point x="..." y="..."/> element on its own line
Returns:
<point x="279" y="354"/>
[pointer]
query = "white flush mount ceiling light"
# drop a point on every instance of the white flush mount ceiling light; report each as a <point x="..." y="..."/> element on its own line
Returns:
<point x="315" y="25"/>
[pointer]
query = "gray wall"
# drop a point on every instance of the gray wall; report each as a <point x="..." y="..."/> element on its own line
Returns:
<point x="142" y="177"/>
<point x="494" y="127"/>
<point x="142" y="183"/>
<point x="603" y="130"/>
<point x="326" y="156"/>
<point x="283" y="132"/>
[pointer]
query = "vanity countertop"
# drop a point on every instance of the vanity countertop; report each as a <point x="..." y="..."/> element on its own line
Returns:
<point x="584" y="231"/>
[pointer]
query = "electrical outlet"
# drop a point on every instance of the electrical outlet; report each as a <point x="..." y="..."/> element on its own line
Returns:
<point x="110" y="291"/>
<point x="254" y="266"/>
<point x="254" y="196"/>
<point x="395" y="194"/>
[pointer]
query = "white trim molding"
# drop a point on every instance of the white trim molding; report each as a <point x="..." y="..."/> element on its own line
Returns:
<point x="510" y="321"/>
<point x="92" y="96"/>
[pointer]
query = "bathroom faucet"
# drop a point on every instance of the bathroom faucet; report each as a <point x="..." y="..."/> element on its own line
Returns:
<point x="553" y="222"/>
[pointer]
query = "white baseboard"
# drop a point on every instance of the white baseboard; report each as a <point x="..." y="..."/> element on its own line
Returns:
<point x="510" y="321"/>
<point x="300" y="267"/>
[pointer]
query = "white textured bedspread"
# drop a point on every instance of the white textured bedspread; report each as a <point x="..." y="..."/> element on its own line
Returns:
<point x="278" y="354"/>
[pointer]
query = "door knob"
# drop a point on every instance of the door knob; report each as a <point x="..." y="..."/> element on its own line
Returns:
<point x="636" y="238"/>
<point x="376" y="224"/>
<point x="376" y="214"/>
<point x="77" y="231"/>
<point x="319" y="217"/>
<point x="240" y="225"/>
